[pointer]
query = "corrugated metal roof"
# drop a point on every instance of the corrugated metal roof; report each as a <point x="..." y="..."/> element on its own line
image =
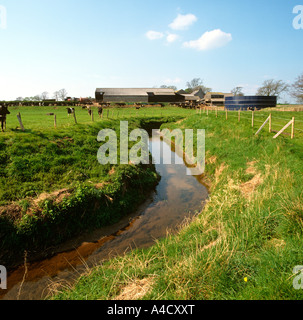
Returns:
<point x="161" y="93"/>
<point x="133" y="91"/>
<point x="190" y="97"/>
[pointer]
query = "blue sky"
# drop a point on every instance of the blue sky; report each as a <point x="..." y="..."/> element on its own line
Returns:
<point x="80" y="45"/>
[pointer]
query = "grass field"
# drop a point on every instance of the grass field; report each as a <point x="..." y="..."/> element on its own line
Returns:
<point x="36" y="118"/>
<point x="51" y="181"/>
<point x="243" y="245"/>
<point x="44" y="159"/>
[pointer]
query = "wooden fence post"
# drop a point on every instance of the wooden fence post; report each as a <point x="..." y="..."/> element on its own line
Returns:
<point x="20" y="121"/>
<point x="252" y="118"/>
<point x="55" y="121"/>
<point x="270" y="123"/>
<point x="74" y="113"/>
<point x="239" y="115"/>
<point x="92" y="115"/>
<point x="262" y="126"/>
<point x="293" y="128"/>
<point x="291" y="122"/>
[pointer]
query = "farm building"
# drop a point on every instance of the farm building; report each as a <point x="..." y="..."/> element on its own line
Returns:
<point x="196" y="95"/>
<point x="138" y="95"/>
<point x="216" y="98"/>
<point x="250" y="102"/>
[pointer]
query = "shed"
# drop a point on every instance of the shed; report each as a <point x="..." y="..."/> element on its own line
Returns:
<point x="138" y="95"/>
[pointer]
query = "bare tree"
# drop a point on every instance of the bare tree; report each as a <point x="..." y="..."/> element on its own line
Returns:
<point x="56" y="95"/>
<point x="237" y="92"/>
<point x="37" y="97"/>
<point x="272" y="88"/>
<point x="62" y="94"/>
<point x="44" y="95"/>
<point x="168" y="87"/>
<point x="196" y="84"/>
<point x="297" y="89"/>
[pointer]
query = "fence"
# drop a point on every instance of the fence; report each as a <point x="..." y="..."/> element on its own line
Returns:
<point x="289" y="123"/>
<point x="277" y="123"/>
<point x="59" y="117"/>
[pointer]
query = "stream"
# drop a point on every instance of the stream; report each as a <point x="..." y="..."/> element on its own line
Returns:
<point x="176" y="198"/>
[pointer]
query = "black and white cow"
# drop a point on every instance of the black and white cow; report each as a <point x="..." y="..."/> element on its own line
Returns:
<point x="100" y="111"/>
<point x="70" y="111"/>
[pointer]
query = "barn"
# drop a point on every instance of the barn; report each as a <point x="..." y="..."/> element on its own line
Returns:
<point x="137" y="95"/>
<point x="216" y="98"/>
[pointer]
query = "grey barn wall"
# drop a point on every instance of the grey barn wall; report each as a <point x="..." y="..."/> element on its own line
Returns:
<point x="125" y="99"/>
<point x="135" y="95"/>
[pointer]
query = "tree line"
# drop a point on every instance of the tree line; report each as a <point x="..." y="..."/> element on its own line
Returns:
<point x="269" y="87"/>
<point x="59" y="95"/>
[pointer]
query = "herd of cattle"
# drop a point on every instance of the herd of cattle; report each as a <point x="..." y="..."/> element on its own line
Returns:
<point x="88" y="108"/>
<point x="71" y="110"/>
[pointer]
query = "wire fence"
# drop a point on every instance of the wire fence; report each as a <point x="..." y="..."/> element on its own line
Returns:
<point x="277" y="120"/>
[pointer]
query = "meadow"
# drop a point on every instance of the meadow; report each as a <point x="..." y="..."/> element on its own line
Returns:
<point x="246" y="242"/>
<point x="45" y="159"/>
<point x="52" y="183"/>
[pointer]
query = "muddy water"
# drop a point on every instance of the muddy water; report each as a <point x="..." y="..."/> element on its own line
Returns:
<point x="176" y="198"/>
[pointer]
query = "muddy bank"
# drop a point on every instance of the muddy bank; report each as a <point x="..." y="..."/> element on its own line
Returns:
<point x="177" y="197"/>
<point x="29" y="229"/>
<point x="39" y="232"/>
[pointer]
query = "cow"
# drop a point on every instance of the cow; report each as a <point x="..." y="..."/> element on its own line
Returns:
<point x="100" y="111"/>
<point x="3" y="113"/>
<point x="70" y="111"/>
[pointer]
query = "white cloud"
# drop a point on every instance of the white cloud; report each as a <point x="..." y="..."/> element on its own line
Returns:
<point x="171" y="37"/>
<point x="249" y="89"/>
<point x="183" y="21"/>
<point x="169" y="81"/>
<point x="154" y="35"/>
<point x="210" y="40"/>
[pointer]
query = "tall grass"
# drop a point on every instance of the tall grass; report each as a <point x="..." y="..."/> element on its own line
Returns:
<point x="246" y="241"/>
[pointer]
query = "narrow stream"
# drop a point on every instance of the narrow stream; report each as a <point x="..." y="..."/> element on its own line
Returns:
<point x="176" y="198"/>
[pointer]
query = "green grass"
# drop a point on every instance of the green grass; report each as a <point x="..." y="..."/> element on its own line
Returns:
<point x="246" y="241"/>
<point x="44" y="159"/>
<point x="36" y="118"/>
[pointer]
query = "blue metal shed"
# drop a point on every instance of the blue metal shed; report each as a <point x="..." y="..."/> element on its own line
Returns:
<point x="250" y="102"/>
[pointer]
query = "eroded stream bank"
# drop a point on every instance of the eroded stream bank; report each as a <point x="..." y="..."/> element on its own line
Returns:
<point x="176" y="198"/>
